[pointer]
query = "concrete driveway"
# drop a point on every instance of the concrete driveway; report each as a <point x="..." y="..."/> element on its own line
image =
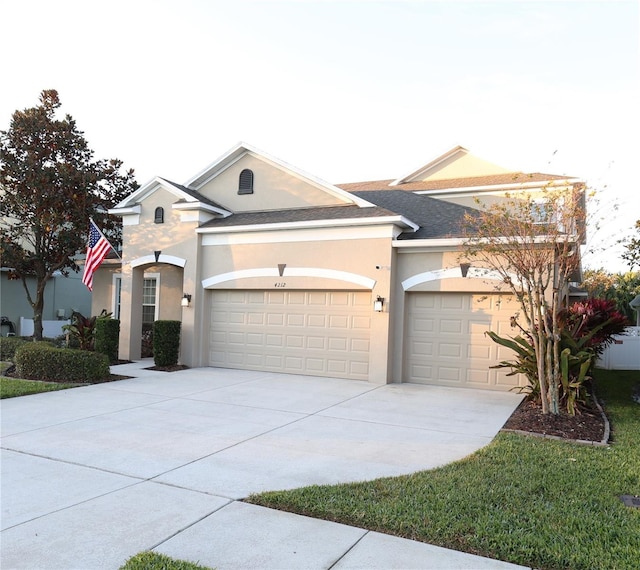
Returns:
<point x="93" y="475"/>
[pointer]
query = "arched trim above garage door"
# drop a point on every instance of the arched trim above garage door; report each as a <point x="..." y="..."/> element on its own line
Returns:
<point x="454" y="272"/>
<point x="318" y="272"/>
<point x="162" y="258"/>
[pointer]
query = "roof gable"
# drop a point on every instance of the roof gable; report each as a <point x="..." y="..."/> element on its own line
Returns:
<point x="455" y="163"/>
<point x="277" y="184"/>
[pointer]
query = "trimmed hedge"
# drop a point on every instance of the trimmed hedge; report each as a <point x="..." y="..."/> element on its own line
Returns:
<point x="40" y="361"/>
<point x="9" y="345"/>
<point x="107" y="338"/>
<point x="166" y="342"/>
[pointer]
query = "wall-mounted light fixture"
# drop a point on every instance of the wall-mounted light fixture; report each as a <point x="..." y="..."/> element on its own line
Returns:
<point x="186" y="300"/>
<point x="464" y="268"/>
<point x="156" y="254"/>
<point x="378" y="304"/>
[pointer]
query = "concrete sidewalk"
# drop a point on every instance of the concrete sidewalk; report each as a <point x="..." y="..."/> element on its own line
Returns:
<point x="92" y="476"/>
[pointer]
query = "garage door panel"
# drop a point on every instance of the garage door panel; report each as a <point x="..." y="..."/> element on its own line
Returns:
<point x="449" y="374"/>
<point x="272" y="297"/>
<point x="255" y="318"/>
<point x="450" y="350"/>
<point x="358" y="369"/>
<point x="451" y="326"/>
<point x="317" y="343"/>
<point x="340" y="344"/>
<point x="319" y="321"/>
<point x="446" y="343"/>
<point x="479" y="352"/>
<point x="359" y="345"/>
<point x="295" y="341"/>
<point x="339" y="321"/>
<point x="339" y="299"/>
<point x="363" y="323"/>
<point x="316" y="298"/>
<point x="312" y="332"/>
<point x="295" y="320"/>
<point x="295" y="298"/>
<point x="453" y="303"/>
<point x="337" y="367"/>
<point x="314" y="364"/>
<point x="425" y="325"/>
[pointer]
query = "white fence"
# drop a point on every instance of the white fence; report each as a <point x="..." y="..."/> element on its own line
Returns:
<point x="50" y="329"/>
<point x="624" y="353"/>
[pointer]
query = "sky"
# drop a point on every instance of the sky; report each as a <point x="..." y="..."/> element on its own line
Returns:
<point x="344" y="90"/>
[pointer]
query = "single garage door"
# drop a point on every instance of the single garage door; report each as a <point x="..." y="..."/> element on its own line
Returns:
<point x="321" y="333"/>
<point x="446" y="344"/>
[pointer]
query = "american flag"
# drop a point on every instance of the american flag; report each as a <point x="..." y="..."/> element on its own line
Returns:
<point x="97" y="250"/>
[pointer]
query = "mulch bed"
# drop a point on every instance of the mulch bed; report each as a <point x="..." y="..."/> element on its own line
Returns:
<point x="587" y="425"/>
<point x="173" y="368"/>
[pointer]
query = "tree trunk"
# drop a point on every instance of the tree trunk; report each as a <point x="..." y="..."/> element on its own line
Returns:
<point x="38" y="307"/>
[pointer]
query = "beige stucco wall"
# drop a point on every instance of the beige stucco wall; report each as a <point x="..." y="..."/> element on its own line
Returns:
<point x="461" y="165"/>
<point x="171" y="237"/>
<point x="102" y="297"/>
<point x="175" y="239"/>
<point x="273" y="189"/>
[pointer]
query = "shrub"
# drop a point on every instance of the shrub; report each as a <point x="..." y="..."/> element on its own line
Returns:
<point x="40" y="361"/>
<point x="9" y="345"/>
<point x="107" y="338"/>
<point x="83" y="329"/>
<point x="166" y="342"/>
<point x="586" y="329"/>
<point x="593" y="323"/>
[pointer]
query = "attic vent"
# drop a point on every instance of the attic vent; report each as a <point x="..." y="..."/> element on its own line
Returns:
<point x="158" y="217"/>
<point x="245" y="185"/>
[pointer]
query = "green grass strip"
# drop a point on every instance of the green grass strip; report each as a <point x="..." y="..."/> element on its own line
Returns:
<point x="153" y="561"/>
<point x="14" y="387"/>
<point x="540" y="503"/>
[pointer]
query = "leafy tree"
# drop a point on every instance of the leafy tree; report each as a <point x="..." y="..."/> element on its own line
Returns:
<point x="621" y="288"/>
<point x="50" y="186"/>
<point x="532" y="244"/>
<point x="632" y="246"/>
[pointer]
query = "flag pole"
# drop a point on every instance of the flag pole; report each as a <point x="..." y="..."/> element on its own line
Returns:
<point x="100" y="232"/>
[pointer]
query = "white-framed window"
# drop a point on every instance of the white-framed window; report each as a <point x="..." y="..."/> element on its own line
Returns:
<point x="542" y="211"/>
<point x="117" y="294"/>
<point x="150" y="296"/>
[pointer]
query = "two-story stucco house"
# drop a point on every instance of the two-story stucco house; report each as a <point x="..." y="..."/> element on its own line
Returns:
<point x="270" y="268"/>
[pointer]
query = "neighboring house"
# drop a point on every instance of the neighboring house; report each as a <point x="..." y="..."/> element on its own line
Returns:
<point x="62" y="296"/>
<point x="287" y="273"/>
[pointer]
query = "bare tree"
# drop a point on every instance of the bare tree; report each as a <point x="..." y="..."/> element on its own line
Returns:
<point x="533" y="242"/>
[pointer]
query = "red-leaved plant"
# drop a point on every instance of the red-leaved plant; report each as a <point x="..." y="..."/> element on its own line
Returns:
<point x="595" y="322"/>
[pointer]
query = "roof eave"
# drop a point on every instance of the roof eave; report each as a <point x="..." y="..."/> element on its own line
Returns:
<point x="399" y="221"/>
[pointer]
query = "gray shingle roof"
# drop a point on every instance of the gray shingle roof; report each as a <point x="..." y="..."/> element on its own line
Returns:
<point x="509" y="178"/>
<point x="436" y="218"/>
<point x="195" y="194"/>
<point x="298" y="215"/>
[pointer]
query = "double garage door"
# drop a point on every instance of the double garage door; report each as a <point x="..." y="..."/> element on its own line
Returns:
<point x="320" y="333"/>
<point x="445" y="341"/>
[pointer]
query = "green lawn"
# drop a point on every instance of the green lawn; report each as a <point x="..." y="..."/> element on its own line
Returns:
<point x="13" y="387"/>
<point x="536" y="502"/>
